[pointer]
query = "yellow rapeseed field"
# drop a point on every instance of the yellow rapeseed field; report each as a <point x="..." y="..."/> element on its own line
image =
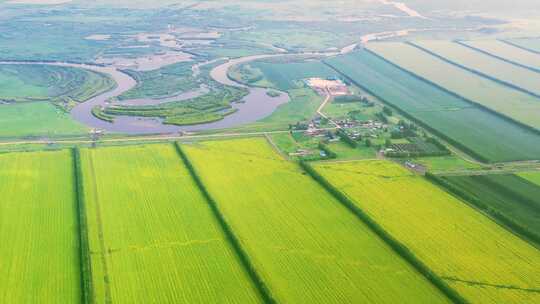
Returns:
<point x="484" y="262"/>
<point x="153" y="237"/>
<point x="305" y="246"/>
<point x="39" y="241"/>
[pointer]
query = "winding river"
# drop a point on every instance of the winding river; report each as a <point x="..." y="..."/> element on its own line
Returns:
<point x="255" y="106"/>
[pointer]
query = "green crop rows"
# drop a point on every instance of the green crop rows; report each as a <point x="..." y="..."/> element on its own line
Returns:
<point x="174" y="223"/>
<point x="510" y="198"/>
<point x="513" y="104"/>
<point x="285" y="76"/>
<point x="478" y="258"/>
<point x="507" y="52"/>
<point x="38" y="229"/>
<point x="306" y="248"/>
<point x="512" y="75"/>
<point x="153" y="236"/>
<point x="485" y="135"/>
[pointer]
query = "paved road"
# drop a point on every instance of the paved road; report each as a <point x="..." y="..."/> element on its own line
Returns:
<point x="147" y="138"/>
<point x="323" y="104"/>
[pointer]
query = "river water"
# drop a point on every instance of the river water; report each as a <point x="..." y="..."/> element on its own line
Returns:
<point x="255" y="106"/>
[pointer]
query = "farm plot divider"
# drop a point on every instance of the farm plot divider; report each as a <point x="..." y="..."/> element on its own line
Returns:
<point x="440" y="87"/>
<point x="410" y="116"/>
<point x="519" y="46"/>
<point x="235" y="242"/>
<point x="497" y="56"/>
<point x="82" y="225"/>
<point x="500" y="218"/>
<point x="474" y="71"/>
<point x="393" y="243"/>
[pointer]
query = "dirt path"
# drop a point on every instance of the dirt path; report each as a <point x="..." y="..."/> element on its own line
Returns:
<point x="323" y="104"/>
<point x="276" y="148"/>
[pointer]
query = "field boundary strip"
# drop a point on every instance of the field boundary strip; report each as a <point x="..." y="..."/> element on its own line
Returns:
<point x="476" y="72"/>
<point x="499" y="218"/>
<point x="487" y="171"/>
<point x="99" y="223"/>
<point x="410" y="116"/>
<point x="470" y="101"/>
<point x="487" y="53"/>
<point x="482" y="284"/>
<point x="275" y="147"/>
<point x="261" y="286"/>
<point x="519" y="46"/>
<point x="393" y="243"/>
<point x="84" y="244"/>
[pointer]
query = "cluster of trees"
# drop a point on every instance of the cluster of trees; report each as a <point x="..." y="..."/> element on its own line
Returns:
<point x="299" y="126"/>
<point x="329" y="153"/>
<point x="82" y="223"/>
<point x="347" y="138"/>
<point x="405" y="130"/>
<point x="236" y="244"/>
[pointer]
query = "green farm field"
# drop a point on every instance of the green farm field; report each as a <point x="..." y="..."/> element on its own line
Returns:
<point x="510" y="195"/>
<point x="480" y="133"/>
<point x="284" y="76"/>
<point x="508" y="52"/>
<point x="447" y="163"/>
<point x="36" y="119"/>
<point x="285" y="142"/>
<point x="511" y="103"/>
<point x="492" y="67"/>
<point x="533" y="177"/>
<point x="305" y="246"/>
<point x="302" y="106"/>
<point x="38" y="229"/>
<point x="153" y="237"/>
<point x="346" y="152"/>
<point x="481" y="260"/>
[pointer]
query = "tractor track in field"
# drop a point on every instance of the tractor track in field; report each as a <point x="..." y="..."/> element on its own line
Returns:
<point x="482" y="284"/>
<point x="103" y="252"/>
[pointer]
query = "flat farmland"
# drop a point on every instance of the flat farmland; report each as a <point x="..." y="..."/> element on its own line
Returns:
<point x="40" y="259"/>
<point x="508" y="52"/>
<point x="482" y="134"/>
<point x="481" y="260"/>
<point x="533" y="177"/>
<point x="511" y="103"/>
<point x="303" y="243"/>
<point x="153" y="237"/>
<point x="283" y="75"/>
<point x="492" y="67"/>
<point x="514" y="197"/>
<point x="531" y="44"/>
<point x="37" y="119"/>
